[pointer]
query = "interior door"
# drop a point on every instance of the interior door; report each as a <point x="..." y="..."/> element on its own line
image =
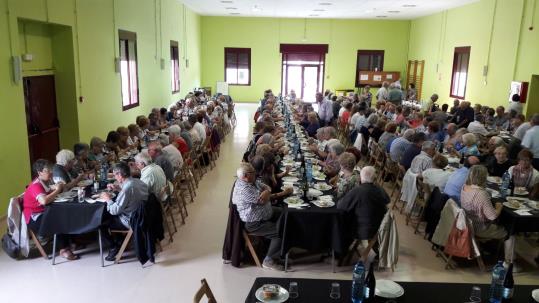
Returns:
<point x="294" y="80"/>
<point x="310" y="82"/>
<point x="41" y="117"/>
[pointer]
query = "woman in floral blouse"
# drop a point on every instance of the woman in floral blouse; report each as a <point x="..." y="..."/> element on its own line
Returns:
<point x="347" y="178"/>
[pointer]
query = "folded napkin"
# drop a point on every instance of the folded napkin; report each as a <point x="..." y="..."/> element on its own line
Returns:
<point x="298" y="205"/>
<point x="523" y="212"/>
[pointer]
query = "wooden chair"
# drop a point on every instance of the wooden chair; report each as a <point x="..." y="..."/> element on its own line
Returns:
<point x="167" y="212"/>
<point x="31" y="232"/>
<point x="399" y="172"/>
<point x="423" y="196"/>
<point x="204" y="290"/>
<point x="364" y="255"/>
<point x="250" y="246"/>
<point x="178" y="197"/>
<point x="128" y="234"/>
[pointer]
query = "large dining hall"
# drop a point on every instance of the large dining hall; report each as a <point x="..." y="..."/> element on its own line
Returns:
<point x="265" y="151"/>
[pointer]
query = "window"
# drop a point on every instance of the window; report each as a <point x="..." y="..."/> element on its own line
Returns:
<point x="174" y="66"/>
<point x="369" y="60"/>
<point x="460" y="72"/>
<point x="128" y="69"/>
<point x="238" y="66"/>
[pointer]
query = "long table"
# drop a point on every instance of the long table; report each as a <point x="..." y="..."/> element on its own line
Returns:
<point x="317" y="290"/>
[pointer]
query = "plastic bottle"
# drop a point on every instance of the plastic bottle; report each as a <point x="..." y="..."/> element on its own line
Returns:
<point x="508" y="285"/>
<point x="309" y="171"/>
<point x="496" y="285"/>
<point x="358" y="280"/>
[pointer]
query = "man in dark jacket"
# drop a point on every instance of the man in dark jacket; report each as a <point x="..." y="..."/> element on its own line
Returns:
<point x="367" y="204"/>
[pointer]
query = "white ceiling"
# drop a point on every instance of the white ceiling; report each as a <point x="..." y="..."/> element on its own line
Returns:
<point x="350" y="9"/>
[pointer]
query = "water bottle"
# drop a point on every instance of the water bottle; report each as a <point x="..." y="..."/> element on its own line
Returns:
<point x="309" y="171"/>
<point x="358" y="279"/>
<point x="496" y="286"/>
<point x="505" y="184"/>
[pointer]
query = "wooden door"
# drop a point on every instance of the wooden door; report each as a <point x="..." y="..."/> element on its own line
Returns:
<point x="41" y="117"/>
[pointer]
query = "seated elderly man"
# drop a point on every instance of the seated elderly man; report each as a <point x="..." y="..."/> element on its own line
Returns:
<point x="172" y="152"/>
<point x="195" y="121"/>
<point x="412" y="150"/>
<point x="155" y="150"/>
<point x="423" y="161"/>
<point x="65" y="159"/>
<point x="437" y="176"/>
<point x="367" y="203"/>
<point x="456" y="180"/>
<point x="399" y="145"/>
<point x="132" y="193"/>
<point x="151" y="174"/>
<point x="176" y="140"/>
<point x="252" y="200"/>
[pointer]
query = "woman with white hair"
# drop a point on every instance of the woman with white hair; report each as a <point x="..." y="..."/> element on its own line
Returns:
<point x="65" y="159"/>
<point x="348" y="177"/>
<point x="331" y="166"/>
<point x="469" y="141"/>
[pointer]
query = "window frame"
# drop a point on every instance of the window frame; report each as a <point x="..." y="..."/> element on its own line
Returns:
<point x="238" y="50"/>
<point x="128" y="36"/>
<point x="370" y="53"/>
<point x="457" y="52"/>
<point x="175" y="64"/>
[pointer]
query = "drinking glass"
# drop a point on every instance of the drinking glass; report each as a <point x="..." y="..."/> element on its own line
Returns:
<point x="335" y="293"/>
<point x="80" y="194"/>
<point x="475" y="295"/>
<point x="293" y="290"/>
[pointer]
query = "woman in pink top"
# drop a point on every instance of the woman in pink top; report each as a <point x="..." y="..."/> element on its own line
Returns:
<point x="475" y="201"/>
<point x="37" y="195"/>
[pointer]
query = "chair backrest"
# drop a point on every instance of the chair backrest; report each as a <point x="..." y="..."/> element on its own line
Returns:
<point x="204" y="290"/>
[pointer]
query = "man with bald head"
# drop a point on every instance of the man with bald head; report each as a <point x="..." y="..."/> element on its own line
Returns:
<point x="456" y="181"/>
<point x="450" y="132"/>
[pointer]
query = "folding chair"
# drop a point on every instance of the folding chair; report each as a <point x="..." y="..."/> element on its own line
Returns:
<point x="30" y="231"/>
<point x="204" y="290"/>
<point x="128" y="234"/>
<point x="250" y="246"/>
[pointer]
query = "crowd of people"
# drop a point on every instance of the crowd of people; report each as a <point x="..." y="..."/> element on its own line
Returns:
<point x="486" y="141"/>
<point x="142" y="158"/>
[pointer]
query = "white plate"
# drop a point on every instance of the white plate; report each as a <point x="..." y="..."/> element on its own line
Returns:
<point x="322" y="186"/>
<point x="293" y="200"/>
<point x="60" y="200"/>
<point x="280" y="298"/>
<point x="535" y="295"/>
<point x="323" y="203"/>
<point x="496" y="180"/>
<point x="509" y="205"/>
<point x="314" y="192"/>
<point x="453" y="160"/>
<point x="292" y="168"/>
<point x="85" y="183"/>
<point x="290" y="179"/>
<point x="388" y="289"/>
<point x="521" y="191"/>
<point x="320" y="177"/>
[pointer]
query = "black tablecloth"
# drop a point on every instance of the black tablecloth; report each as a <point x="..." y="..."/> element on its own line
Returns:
<point x="71" y="218"/>
<point x="314" y="229"/>
<point x="317" y="290"/>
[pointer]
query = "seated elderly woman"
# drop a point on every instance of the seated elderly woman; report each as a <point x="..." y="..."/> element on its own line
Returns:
<point x="469" y="142"/>
<point x="134" y="132"/>
<point x="388" y="135"/>
<point x="348" y="177"/>
<point x="331" y="164"/>
<point x="65" y="159"/>
<point x="265" y="173"/>
<point x="313" y="124"/>
<point x="112" y="143"/>
<point x="124" y="143"/>
<point x="499" y="163"/>
<point x="475" y="201"/>
<point x="437" y="176"/>
<point x="38" y="194"/>
<point x="82" y="163"/>
<point x="368" y="126"/>
<point x="96" y="150"/>
<point x="488" y="151"/>
<point x="523" y="174"/>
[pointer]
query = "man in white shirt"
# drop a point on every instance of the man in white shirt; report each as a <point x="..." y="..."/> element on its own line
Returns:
<point x="531" y="140"/>
<point x="152" y="175"/>
<point x="172" y="153"/>
<point x="383" y="92"/>
<point x="520" y="127"/>
<point x="198" y="127"/>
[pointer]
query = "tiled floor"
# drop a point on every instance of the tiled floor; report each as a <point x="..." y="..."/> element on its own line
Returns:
<point x="196" y="254"/>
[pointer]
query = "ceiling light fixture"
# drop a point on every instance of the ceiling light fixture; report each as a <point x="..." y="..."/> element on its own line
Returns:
<point x="325" y="3"/>
<point x="231" y="8"/>
<point x="226" y="1"/>
<point x="319" y="10"/>
<point x="234" y="13"/>
<point x="314" y="15"/>
<point x="393" y="12"/>
<point x="381" y="16"/>
<point x="409" y="5"/>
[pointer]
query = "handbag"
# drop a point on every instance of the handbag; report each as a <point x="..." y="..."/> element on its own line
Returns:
<point x="11" y="248"/>
<point x="459" y="242"/>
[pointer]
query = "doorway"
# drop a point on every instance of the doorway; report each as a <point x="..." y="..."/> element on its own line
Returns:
<point x="303" y="70"/>
<point x="41" y="117"/>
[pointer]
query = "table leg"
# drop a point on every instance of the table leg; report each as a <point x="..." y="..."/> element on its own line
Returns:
<point x="100" y="247"/>
<point x="333" y="259"/>
<point x="286" y="262"/>
<point x="54" y="250"/>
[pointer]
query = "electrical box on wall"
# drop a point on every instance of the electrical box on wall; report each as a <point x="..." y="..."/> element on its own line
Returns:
<point x="27" y="57"/>
<point x="16" y="69"/>
<point x="117" y="67"/>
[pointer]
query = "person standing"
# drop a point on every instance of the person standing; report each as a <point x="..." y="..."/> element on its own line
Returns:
<point x="325" y="110"/>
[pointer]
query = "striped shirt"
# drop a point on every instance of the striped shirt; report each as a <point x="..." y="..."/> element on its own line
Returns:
<point x="420" y="163"/>
<point x="154" y="176"/>
<point x="476" y="203"/>
<point x="245" y="196"/>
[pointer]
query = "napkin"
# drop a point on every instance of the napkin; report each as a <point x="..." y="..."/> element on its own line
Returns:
<point x="299" y="206"/>
<point x="523" y="212"/>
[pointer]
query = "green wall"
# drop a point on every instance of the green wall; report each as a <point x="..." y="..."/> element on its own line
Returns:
<point x="79" y="49"/>
<point x="264" y="35"/>
<point x="498" y="39"/>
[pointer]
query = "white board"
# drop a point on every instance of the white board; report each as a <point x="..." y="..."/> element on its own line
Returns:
<point x="222" y="87"/>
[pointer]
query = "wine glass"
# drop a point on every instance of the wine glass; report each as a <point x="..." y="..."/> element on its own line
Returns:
<point x="335" y="293"/>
